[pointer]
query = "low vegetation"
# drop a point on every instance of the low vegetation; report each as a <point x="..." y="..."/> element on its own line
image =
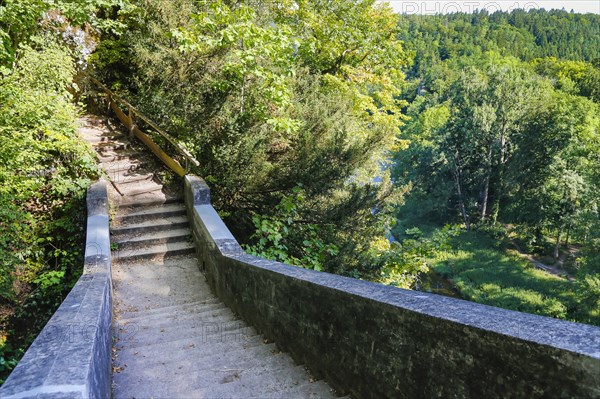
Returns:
<point x="492" y="272"/>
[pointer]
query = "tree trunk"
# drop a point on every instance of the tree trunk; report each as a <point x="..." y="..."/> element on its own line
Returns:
<point x="500" y="185"/>
<point x="557" y="247"/>
<point x="486" y="193"/>
<point x="486" y="183"/>
<point x="568" y="234"/>
<point x="461" y="202"/>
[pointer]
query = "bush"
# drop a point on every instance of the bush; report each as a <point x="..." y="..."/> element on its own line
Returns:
<point x="44" y="171"/>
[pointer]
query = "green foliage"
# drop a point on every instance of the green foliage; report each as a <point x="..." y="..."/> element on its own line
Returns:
<point x="15" y="230"/>
<point x="44" y="167"/>
<point x="49" y="279"/>
<point x="404" y="260"/>
<point x="486" y="273"/>
<point x="293" y="107"/>
<point x="504" y="135"/>
<point x="18" y="21"/>
<point x="44" y="171"/>
<point x="523" y="34"/>
<point x="574" y="77"/>
<point x="274" y="236"/>
<point x="519" y="142"/>
<point x="9" y="357"/>
<point x="271" y="96"/>
<point x="22" y="20"/>
<point x="554" y="169"/>
<point x="265" y="54"/>
<point x="588" y="289"/>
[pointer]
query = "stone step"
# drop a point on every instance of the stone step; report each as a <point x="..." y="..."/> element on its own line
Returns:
<point x="195" y="346"/>
<point x="166" y="314"/>
<point x="92" y="130"/>
<point x="158" y="251"/>
<point x="111" y="146"/>
<point x="223" y="379"/>
<point x="161" y="237"/>
<point x="161" y="271"/>
<point x="120" y="176"/>
<point x="269" y="380"/>
<point x="146" y="213"/>
<point x="126" y="178"/>
<point x="200" y="367"/>
<point x="219" y="327"/>
<point x="147" y="313"/>
<point x="165" y="282"/>
<point x="188" y="318"/>
<point x="238" y="352"/>
<point x="125" y="165"/>
<point x="216" y="315"/>
<point x="131" y="231"/>
<point x="152" y="200"/>
<point x="115" y="169"/>
<point x="152" y="301"/>
<point x="110" y="156"/>
<point x="95" y="138"/>
<point x="134" y="188"/>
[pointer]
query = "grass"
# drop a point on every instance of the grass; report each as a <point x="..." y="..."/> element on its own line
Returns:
<point x="485" y="270"/>
<point x="487" y="273"/>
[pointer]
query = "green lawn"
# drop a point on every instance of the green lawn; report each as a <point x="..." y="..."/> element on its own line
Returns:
<point x="488" y="273"/>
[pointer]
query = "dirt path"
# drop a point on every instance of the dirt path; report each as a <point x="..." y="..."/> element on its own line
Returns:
<point x="555" y="270"/>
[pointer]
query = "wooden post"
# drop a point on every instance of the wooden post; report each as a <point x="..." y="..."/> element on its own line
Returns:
<point x="132" y="123"/>
<point x="144" y="138"/>
<point x="129" y="122"/>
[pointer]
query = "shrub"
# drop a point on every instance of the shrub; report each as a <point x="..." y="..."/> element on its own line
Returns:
<point x="44" y="171"/>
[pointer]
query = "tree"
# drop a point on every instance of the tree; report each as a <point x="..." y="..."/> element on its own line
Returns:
<point x="551" y="174"/>
<point x="274" y="96"/>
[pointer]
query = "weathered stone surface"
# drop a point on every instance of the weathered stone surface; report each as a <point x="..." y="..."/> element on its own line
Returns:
<point x="97" y="201"/>
<point x="197" y="189"/>
<point x="71" y="356"/>
<point x="373" y="341"/>
<point x="175" y="339"/>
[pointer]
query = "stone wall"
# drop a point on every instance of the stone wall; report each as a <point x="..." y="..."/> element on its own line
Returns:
<point x="71" y="356"/>
<point x="374" y="341"/>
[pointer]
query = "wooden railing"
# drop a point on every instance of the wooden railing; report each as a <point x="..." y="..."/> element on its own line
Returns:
<point x="129" y="121"/>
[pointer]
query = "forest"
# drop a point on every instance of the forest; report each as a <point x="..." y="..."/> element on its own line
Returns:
<point x="459" y="151"/>
<point x="504" y="140"/>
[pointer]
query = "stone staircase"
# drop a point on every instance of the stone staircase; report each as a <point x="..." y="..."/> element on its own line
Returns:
<point x="173" y="337"/>
<point x="146" y="232"/>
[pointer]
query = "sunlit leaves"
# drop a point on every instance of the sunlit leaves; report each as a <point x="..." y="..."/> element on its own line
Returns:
<point x="254" y="58"/>
<point x="43" y="165"/>
<point x="406" y="259"/>
<point x="21" y="20"/>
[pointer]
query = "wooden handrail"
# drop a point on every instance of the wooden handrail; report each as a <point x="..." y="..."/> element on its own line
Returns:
<point x="144" y="138"/>
<point x="185" y="153"/>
